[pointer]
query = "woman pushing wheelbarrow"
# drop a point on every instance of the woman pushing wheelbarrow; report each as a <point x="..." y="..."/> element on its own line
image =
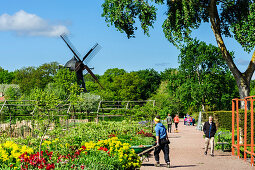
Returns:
<point x="162" y="142"/>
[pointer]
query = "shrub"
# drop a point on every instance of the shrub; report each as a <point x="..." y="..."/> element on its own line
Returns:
<point x="222" y="119"/>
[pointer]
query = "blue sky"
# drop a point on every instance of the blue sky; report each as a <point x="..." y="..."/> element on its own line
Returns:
<point x="29" y="32"/>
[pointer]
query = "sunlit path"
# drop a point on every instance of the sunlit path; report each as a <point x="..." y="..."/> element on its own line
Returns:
<point x="186" y="152"/>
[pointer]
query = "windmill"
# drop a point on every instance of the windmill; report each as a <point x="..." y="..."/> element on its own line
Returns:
<point x="78" y="65"/>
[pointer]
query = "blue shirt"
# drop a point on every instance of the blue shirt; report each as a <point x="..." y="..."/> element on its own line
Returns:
<point x="160" y="130"/>
<point x="210" y="130"/>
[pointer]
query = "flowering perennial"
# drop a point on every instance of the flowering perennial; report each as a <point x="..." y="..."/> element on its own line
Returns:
<point x="10" y="153"/>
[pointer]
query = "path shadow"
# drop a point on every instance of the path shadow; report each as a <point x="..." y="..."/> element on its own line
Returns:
<point x="221" y="155"/>
<point x="164" y="165"/>
<point x="174" y="136"/>
<point x="147" y="164"/>
<point x="182" y="166"/>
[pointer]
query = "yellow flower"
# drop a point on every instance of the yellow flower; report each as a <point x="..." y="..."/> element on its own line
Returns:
<point x="55" y="140"/>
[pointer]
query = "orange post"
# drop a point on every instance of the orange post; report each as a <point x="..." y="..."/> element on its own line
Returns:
<point x="237" y="130"/>
<point x="252" y="133"/>
<point x="233" y="126"/>
<point x="245" y="130"/>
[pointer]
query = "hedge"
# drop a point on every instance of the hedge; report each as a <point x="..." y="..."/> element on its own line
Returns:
<point x="222" y="119"/>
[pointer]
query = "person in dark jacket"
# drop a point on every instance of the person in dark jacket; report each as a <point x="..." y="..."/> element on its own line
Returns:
<point x="209" y="131"/>
<point x="162" y="142"/>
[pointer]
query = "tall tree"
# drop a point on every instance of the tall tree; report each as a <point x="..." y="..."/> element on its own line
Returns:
<point x="229" y="18"/>
<point x="152" y="81"/>
<point x="5" y="76"/>
<point x="206" y="77"/>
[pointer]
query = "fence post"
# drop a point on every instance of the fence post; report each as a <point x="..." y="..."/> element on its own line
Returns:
<point x="252" y="133"/>
<point x="237" y="130"/>
<point x="245" y="129"/>
<point x="233" y="126"/>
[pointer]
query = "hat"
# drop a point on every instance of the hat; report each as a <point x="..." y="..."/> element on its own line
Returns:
<point x="157" y="119"/>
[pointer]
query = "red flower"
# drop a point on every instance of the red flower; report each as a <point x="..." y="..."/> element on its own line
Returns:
<point x="111" y="135"/>
<point x="11" y="165"/>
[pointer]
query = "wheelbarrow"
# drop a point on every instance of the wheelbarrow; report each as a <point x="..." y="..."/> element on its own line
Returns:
<point x="143" y="151"/>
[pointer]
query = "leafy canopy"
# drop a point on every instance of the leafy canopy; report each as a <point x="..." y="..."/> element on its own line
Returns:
<point x="236" y="18"/>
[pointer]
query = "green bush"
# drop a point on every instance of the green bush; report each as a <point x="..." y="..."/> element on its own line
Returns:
<point x="222" y="119"/>
<point x="223" y="135"/>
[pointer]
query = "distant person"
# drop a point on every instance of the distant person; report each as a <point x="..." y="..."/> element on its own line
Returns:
<point x="193" y="121"/>
<point x="188" y="121"/>
<point x="176" y="121"/>
<point x="185" y="120"/>
<point x="162" y="142"/>
<point x="169" y="121"/>
<point x="209" y="131"/>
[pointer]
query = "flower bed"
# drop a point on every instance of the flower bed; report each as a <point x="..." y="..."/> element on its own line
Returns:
<point x="88" y="146"/>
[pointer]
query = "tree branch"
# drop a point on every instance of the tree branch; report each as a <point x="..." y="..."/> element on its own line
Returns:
<point x="215" y="25"/>
<point x="249" y="71"/>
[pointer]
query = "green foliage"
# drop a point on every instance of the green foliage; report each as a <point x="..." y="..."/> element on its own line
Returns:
<point x="45" y="99"/>
<point x="223" y="135"/>
<point x="12" y="93"/>
<point x="64" y="78"/>
<point x="123" y="14"/>
<point x="119" y="85"/>
<point x="206" y="76"/>
<point x="5" y="76"/>
<point x="166" y="102"/>
<point x="202" y="80"/>
<point x="228" y="18"/>
<point x="88" y="102"/>
<point x="31" y="77"/>
<point x="151" y="82"/>
<point x="222" y="119"/>
<point x="244" y="26"/>
<point x="184" y="16"/>
<point x="5" y="87"/>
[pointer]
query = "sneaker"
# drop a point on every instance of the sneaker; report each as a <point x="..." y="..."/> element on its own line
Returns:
<point x="157" y="164"/>
<point x="205" y="153"/>
<point x="168" y="165"/>
<point x="212" y="155"/>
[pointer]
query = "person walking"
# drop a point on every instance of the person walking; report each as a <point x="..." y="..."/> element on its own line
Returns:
<point x="209" y="131"/>
<point x="176" y="121"/>
<point x="162" y="142"/>
<point x="169" y="121"/>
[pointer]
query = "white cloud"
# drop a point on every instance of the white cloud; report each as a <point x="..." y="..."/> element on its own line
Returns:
<point x="23" y="23"/>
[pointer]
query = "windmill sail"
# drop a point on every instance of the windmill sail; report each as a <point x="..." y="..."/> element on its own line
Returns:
<point x="71" y="46"/>
<point x="78" y="65"/>
<point x="92" y="52"/>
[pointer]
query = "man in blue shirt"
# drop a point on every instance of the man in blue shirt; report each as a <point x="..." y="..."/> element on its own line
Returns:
<point x="162" y="142"/>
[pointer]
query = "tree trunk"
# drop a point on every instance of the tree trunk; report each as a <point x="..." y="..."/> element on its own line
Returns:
<point x="244" y="89"/>
<point x="242" y="79"/>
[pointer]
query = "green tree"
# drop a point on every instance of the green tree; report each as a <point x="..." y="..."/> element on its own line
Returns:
<point x="229" y="18"/>
<point x="118" y="85"/>
<point x="206" y="79"/>
<point x="29" y="78"/>
<point x="12" y="93"/>
<point x="205" y="72"/>
<point x="151" y="82"/>
<point x="5" y="76"/>
<point x="64" y="79"/>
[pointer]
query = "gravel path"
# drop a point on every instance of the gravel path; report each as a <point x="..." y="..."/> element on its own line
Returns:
<point x="187" y="153"/>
